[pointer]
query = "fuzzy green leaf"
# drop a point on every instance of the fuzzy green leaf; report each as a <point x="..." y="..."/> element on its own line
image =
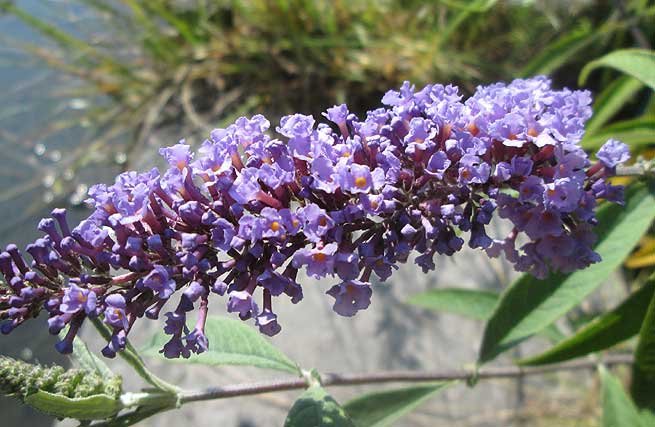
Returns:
<point x="231" y="342"/>
<point x="95" y="407"/>
<point x="316" y="408"/>
<point x="611" y="328"/>
<point x="380" y="409"/>
<point x="529" y="305"/>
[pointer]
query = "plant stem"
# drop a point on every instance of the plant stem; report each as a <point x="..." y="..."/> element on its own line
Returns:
<point x="333" y="379"/>
<point x="637" y="169"/>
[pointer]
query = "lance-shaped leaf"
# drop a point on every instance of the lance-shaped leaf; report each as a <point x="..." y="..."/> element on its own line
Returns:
<point x="529" y="305"/>
<point x="643" y="370"/>
<point x="611" y="100"/>
<point x="231" y="342"/>
<point x="603" y="332"/>
<point x="560" y="51"/>
<point x="635" y="132"/>
<point x="380" y="409"/>
<point x="618" y="409"/>
<point x="474" y="303"/>
<point x="639" y="63"/>
<point x="316" y="408"/>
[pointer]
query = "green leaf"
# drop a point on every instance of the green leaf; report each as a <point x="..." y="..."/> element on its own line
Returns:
<point x="618" y="409"/>
<point x="603" y="332"/>
<point x="560" y="51"/>
<point x="84" y="408"/>
<point x="316" y="408"/>
<point x="474" y="303"/>
<point x="633" y="132"/>
<point x="643" y="370"/>
<point x="231" y="342"/>
<point x="611" y="100"/>
<point x="639" y="63"/>
<point x="384" y="407"/>
<point x="529" y="305"/>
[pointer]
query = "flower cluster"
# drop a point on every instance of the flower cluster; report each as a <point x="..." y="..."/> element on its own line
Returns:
<point x="344" y="199"/>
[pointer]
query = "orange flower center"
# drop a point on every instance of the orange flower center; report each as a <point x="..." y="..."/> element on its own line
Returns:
<point x="360" y="182"/>
<point x="319" y="257"/>
<point x="473" y="129"/>
<point x="275" y="226"/>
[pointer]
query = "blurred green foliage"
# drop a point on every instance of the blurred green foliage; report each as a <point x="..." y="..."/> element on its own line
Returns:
<point x="199" y="64"/>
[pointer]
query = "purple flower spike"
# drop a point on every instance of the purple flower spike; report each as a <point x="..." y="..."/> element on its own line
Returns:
<point x="252" y="207"/>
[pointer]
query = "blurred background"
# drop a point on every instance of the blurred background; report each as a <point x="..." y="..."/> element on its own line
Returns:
<point x="93" y="87"/>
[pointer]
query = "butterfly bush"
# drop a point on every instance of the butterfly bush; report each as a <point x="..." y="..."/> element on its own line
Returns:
<point x="242" y="216"/>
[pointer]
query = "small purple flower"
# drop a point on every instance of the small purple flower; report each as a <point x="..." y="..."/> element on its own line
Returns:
<point x="473" y="170"/>
<point x="160" y="282"/>
<point x="437" y="164"/>
<point x="89" y="232"/>
<point x="521" y="166"/>
<point x="246" y="187"/>
<point x="241" y="302"/>
<point x="531" y="189"/>
<point x="563" y="194"/>
<point x="350" y="297"/>
<point x="319" y="262"/>
<point x="355" y="178"/>
<point x="78" y="299"/>
<point x="115" y="314"/>
<point x="197" y="341"/>
<point x="296" y="126"/>
<point x="613" y="153"/>
<point x="267" y="323"/>
<point x="503" y="172"/>
<point x="315" y="222"/>
<point x="179" y="155"/>
<point x="271" y="224"/>
<point x="337" y="114"/>
<point x="273" y="281"/>
<point x="346" y="265"/>
<point x="222" y="234"/>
